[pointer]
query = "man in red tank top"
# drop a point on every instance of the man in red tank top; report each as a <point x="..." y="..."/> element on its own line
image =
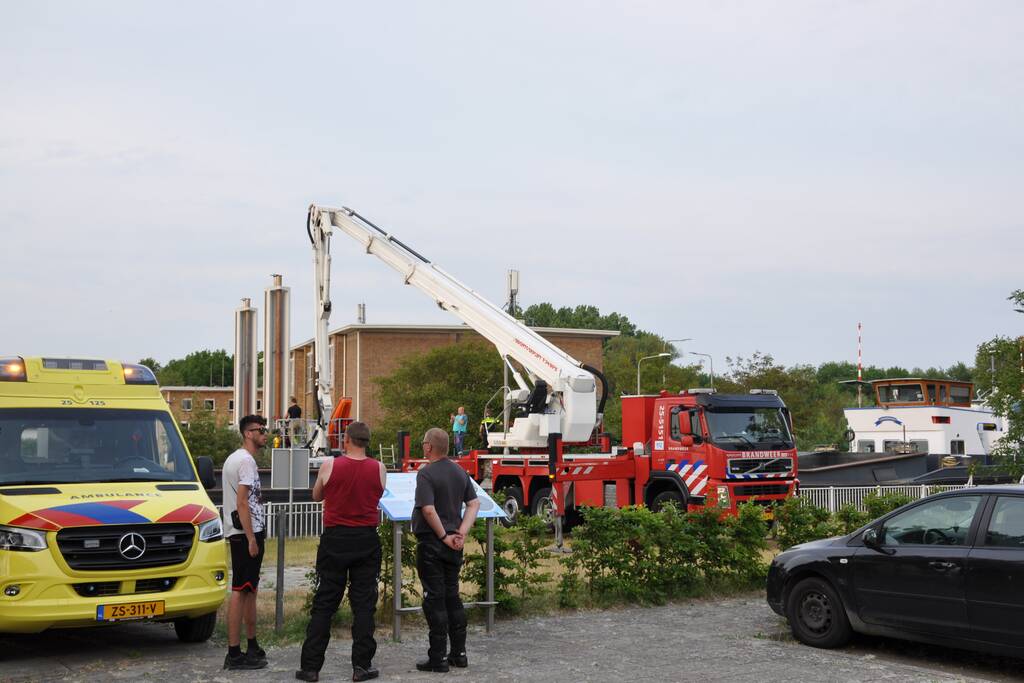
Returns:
<point x="350" y="487"/>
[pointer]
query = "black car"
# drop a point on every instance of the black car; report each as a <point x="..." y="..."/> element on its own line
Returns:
<point x="947" y="570"/>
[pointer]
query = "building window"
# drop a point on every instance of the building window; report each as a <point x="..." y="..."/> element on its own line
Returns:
<point x="184" y="425"/>
<point x="259" y="406"/>
<point x="186" y="405"/>
<point x="231" y="405"/>
<point x="209" y="404"/>
<point x="956" y="447"/>
<point x="895" y="446"/>
<point x="866" y="446"/>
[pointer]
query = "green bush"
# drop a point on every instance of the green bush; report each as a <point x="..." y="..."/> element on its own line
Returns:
<point x="848" y="519"/>
<point x="635" y="555"/>
<point x="880" y="504"/>
<point x="799" y="521"/>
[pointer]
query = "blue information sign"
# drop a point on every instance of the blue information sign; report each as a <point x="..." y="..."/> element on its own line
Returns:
<point x="400" y="495"/>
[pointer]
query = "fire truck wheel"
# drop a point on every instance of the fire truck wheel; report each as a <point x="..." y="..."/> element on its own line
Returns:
<point x="543" y="507"/>
<point x="513" y="504"/>
<point x="666" y="497"/>
<point x="816" y="614"/>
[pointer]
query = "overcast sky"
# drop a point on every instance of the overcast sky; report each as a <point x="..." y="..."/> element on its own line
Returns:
<point x="755" y="175"/>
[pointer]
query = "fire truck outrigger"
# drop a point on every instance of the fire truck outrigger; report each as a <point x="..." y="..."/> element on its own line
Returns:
<point x="695" y="448"/>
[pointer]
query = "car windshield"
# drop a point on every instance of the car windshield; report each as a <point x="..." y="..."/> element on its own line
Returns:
<point x="744" y="429"/>
<point x="73" y="445"/>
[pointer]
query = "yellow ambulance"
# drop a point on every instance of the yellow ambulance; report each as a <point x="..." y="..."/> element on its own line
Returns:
<point x="103" y="515"/>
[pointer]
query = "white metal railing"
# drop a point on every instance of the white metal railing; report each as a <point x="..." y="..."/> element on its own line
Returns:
<point x="307" y="519"/>
<point x="834" y="497"/>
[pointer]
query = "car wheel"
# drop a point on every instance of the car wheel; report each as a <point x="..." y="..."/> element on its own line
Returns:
<point x="816" y="614"/>
<point x="195" y="630"/>
<point x="513" y="504"/>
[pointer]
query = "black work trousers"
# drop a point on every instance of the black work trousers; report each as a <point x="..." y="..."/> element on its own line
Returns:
<point x="438" y="567"/>
<point x="346" y="556"/>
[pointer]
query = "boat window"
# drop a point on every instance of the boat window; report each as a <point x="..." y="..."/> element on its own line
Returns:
<point x="931" y="393"/>
<point x="901" y="447"/>
<point x="866" y="446"/>
<point x="942" y="393"/>
<point x="960" y="395"/>
<point x="1006" y="530"/>
<point x="956" y="447"/>
<point x="901" y="393"/>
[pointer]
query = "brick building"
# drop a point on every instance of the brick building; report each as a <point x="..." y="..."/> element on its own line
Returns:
<point x="184" y="401"/>
<point x="359" y="354"/>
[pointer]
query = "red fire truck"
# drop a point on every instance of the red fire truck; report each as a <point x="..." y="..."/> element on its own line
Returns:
<point x="692" y="449"/>
<point x="695" y="448"/>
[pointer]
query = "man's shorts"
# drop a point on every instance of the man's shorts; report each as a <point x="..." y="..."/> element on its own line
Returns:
<point x="245" y="569"/>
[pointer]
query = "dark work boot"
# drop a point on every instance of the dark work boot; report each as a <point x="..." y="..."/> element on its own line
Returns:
<point x="304" y="675"/>
<point x="459" y="660"/>
<point x="361" y="674"/>
<point x="428" y="665"/>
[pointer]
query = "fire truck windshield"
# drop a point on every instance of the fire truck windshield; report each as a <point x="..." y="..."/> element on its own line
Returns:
<point x="747" y="429"/>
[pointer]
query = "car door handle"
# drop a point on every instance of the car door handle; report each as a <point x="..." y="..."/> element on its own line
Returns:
<point x="942" y="566"/>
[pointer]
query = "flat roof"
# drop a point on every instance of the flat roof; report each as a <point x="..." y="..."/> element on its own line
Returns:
<point x="569" y="331"/>
<point x="227" y="388"/>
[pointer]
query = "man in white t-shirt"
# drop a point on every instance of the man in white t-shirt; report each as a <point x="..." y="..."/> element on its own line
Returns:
<point x="245" y="526"/>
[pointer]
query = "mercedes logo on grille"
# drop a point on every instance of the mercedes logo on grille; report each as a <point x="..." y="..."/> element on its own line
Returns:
<point x="131" y="546"/>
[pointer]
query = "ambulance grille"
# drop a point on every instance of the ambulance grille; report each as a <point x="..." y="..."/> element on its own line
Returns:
<point x="96" y="547"/>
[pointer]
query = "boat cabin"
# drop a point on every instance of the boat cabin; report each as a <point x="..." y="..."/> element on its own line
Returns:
<point x="920" y="392"/>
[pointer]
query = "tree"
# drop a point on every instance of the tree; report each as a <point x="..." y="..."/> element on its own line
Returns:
<point x="199" y="368"/>
<point x="999" y="372"/>
<point x="427" y="388"/>
<point x="152" y="364"/>
<point x="206" y="436"/>
<point x="582" y="317"/>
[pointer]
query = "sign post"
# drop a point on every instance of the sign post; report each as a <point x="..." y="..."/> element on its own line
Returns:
<point x="287" y="466"/>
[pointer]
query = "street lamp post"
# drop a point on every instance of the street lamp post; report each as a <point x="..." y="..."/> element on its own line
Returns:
<point x="667" y="342"/>
<point x="657" y="355"/>
<point x="711" y="366"/>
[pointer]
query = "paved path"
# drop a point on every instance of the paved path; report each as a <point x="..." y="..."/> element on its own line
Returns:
<point x="737" y="639"/>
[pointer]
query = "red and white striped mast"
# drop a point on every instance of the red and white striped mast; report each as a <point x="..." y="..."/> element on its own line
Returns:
<point x="860" y="369"/>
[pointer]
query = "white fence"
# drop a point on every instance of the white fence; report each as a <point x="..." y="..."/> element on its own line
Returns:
<point x="307" y="519"/>
<point x="834" y="497"/>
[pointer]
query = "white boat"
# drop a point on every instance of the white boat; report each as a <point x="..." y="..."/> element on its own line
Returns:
<point x="917" y="415"/>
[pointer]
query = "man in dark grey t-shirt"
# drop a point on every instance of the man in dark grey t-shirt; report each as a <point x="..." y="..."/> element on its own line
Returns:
<point x="440" y="527"/>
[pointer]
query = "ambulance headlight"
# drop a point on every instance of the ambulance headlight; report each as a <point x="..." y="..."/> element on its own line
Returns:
<point x="15" y="538"/>
<point x="211" y="531"/>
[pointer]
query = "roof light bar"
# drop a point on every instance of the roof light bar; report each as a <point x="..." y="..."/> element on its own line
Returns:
<point x="138" y="374"/>
<point x="12" y="370"/>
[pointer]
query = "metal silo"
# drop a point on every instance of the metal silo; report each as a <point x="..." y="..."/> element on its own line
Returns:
<point x="246" y="360"/>
<point x="276" y="375"/>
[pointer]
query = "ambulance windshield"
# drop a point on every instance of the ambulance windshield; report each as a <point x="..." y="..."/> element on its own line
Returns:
<point x="74" y="445"/>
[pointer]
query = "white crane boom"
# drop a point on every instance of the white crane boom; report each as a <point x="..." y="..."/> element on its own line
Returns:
<point x="571" y="407"/>
<point x="321" y="241"/>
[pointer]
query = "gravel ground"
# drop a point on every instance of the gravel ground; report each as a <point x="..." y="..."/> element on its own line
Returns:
<point x="734" y="639"/>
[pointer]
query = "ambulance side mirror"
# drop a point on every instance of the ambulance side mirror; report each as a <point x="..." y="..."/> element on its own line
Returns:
<point x="206" y="475"/>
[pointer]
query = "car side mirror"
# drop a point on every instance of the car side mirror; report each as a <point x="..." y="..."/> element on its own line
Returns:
<point x="206" y="475"/>
<point x="686" y="440"/>
<point x="872" y="538"/>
